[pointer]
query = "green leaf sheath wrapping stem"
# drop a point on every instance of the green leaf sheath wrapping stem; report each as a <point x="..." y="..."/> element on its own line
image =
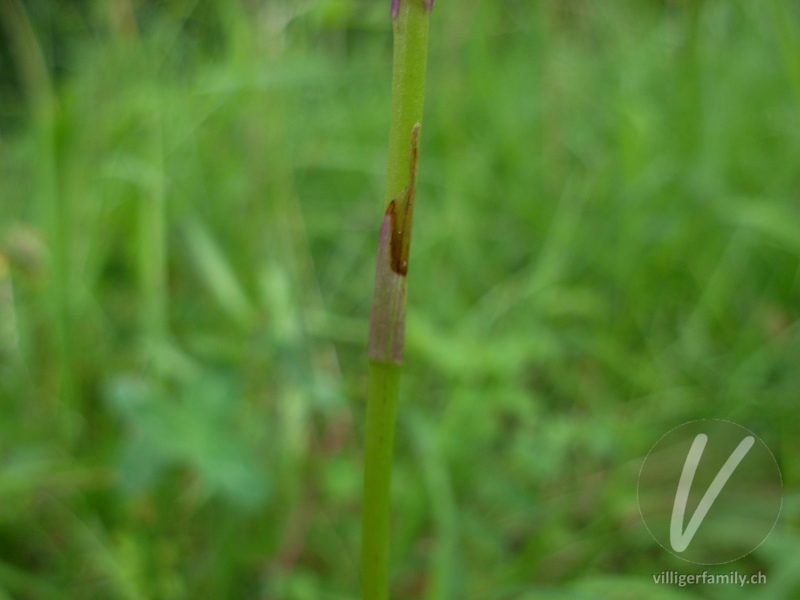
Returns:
<point x="388" y="317"/>
<point x="387" y="322"/>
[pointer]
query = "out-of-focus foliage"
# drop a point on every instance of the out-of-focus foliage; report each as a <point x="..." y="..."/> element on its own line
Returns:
<point x="606" y="246"/>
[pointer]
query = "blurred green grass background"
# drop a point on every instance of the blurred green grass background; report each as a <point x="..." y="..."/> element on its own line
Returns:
<point x="607" y="246"/>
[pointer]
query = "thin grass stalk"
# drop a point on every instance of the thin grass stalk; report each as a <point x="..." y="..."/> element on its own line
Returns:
<point x="152" y="259"/>
<point x="51" y="202"/>
<point x="387" y="321"/>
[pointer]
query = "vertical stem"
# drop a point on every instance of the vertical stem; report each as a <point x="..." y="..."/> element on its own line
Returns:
<point x="408" y="89"/>
<point x="690" y="83"/>
<point x="388" y="308"/>
<point x="51" y="200"/>
<point x="384" y="379"/>
<point x="152" y="249"/>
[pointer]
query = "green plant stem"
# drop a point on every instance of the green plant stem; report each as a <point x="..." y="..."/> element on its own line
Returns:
<point x="388" y="308"/>
<point x="152" y="242"/>
<point x="55" y="219"/>
<point x="408" y="90"/>
<point x="384" y="380"/>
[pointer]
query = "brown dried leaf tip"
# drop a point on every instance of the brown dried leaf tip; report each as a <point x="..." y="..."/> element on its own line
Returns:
<point x="401" y="211"/>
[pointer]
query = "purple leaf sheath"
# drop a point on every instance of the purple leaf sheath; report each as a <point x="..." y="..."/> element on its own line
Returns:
<point x="396" y="7"/>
